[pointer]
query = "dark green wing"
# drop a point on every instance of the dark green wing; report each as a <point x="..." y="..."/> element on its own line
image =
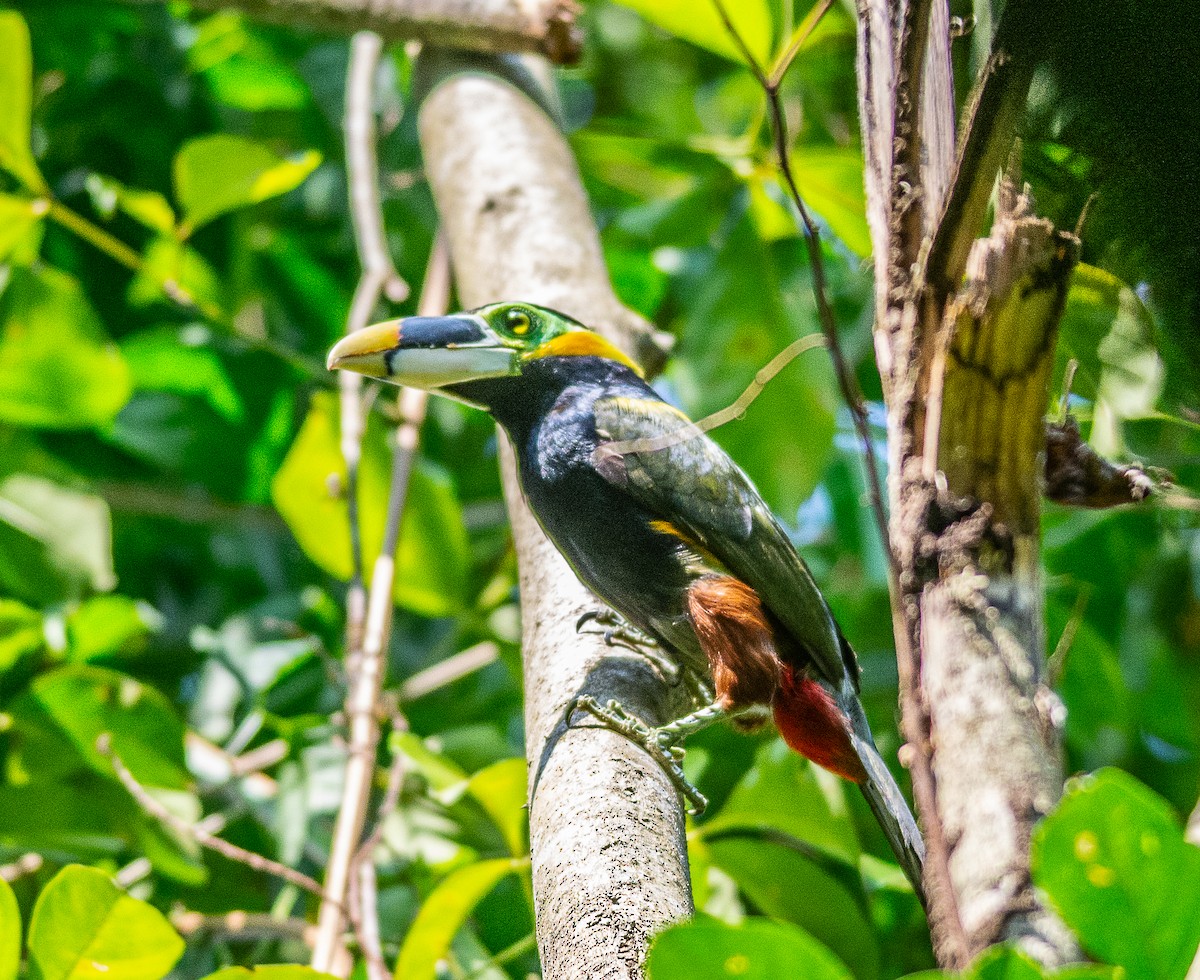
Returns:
<point x="662" y="460"/>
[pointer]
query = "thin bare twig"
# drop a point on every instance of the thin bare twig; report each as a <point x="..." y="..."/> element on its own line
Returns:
<point x="448" y="671"/>
<point x="690" y="430"/>
<point x="914" y="716"/>
<point x="26" y="864"/>
<point x="367" y="616"/>
<point x="242" y="926"/>
<point x="364" y="896"/>
<point x="205" y="832"/>
<point x="848" y="384"/>
<point x="367" y="676"/>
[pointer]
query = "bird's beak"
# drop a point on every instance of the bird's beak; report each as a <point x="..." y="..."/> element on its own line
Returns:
<point x="426" y="351"/>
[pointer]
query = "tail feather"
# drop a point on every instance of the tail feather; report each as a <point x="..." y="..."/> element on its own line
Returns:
<point x="888" y="805"/>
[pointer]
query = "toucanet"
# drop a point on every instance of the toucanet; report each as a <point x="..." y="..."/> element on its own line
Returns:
<point x="660" y="524"/>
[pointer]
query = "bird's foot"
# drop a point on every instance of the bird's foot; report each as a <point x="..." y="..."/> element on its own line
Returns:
<point x="659" y="742"/>
<point x="617" y="632"/>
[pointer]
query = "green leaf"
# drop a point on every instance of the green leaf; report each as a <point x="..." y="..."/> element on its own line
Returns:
<point x="20" y="221"/>
<point x="431" y="565"/>
<point x="443" y="914"/>
<point x="148" y="208"/>
<point x="182" y="362"/>
<point x="698" y="21"/>
<point x="221" y="173"/>
<point x="10" y="933"/>
<point x="1114" y="863"/>
<point x="736" y="322"/>
<point x="241" y="70"/>
<point x="501" y="791"/>
<point x="16" y="82"/>
<point x="785" y="792"/>
<point x="57" y="368"/>
<point x="1099" y="714"/>
<point x="757" y="949"/>
<point x="1109" y="331"/>
<point x="831" y="183"/>
<point x="172" y="263"/>
<point x="85" y="927"/>
<point x="110" y="625"/>
<point x="277" y="971"/>
<point x="83" y="702"/>
<point x="780" y="882"/>
<point x="54" y="542"/>
<point x="20" y="633"/>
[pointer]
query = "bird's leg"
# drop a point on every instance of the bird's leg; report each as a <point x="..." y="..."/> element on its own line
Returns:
<point x="613" y="716"/>
<point x="674" y="732"/>
<point x="618" y="632"/>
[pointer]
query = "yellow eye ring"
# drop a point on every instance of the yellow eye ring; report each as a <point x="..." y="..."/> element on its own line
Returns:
<point x="517" y="322"/>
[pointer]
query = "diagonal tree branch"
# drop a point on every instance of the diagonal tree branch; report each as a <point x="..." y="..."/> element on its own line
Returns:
<point x="546" y="27"/>
<point x="606" y="828"/>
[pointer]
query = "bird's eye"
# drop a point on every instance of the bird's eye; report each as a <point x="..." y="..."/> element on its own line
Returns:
<point x="517" y="322"/>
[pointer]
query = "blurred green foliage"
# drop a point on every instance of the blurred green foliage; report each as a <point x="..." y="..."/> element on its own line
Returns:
<point x="176" y="258"/>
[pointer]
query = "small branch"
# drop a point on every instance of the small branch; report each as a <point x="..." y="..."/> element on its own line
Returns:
<point x="1078" y="476"/>
<point x="812" y="238"/>
<point x="497" y="26"/>
<point x="367" y="675"/>
<point x="907" y="186"/>
<point x="364" y="897"/>
<point x="26" y="864"/>
<point x="448" y="671"/>
<point x="692" y="430"/>
<point x="94" y="235"/>
<point x="241" y="926"/>
<point x="204" y="833"/>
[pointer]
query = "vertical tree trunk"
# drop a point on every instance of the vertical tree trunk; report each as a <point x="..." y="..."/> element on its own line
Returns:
<point x="965" y="339"/>
<point x="606" y="828"/>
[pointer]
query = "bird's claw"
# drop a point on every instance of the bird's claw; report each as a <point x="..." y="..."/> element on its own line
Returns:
<point x="617" y="632"/>
<point x="655" y="741"/>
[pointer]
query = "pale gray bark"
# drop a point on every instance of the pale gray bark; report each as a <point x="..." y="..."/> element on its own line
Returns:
<point x="965" y="370"/>
<point x="544" y="26"/>
<point x="606" y="828"/>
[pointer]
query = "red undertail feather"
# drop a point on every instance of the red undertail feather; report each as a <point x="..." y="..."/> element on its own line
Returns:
<point x="812" y="724"/>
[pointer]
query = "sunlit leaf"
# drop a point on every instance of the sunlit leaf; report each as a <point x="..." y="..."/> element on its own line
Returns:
<point x="19" y="221"/>
<point x="84" y="926"/>
<point x="698" y="21"/>
<point x="432" y="560"/>
<point x="1113" y="861"/>
<point x="110" y="625"/>
<point x="182" y="362"/>
<point x="757" y="949"/>
<point x="242" y="71"/>
<point x="501" y="791"/>
<point x="20" y="633"/>
<point x="443" y="914"/>
<point x="173" y="269"/>
<point x="10" y="933"/>
<point x="54" y="542"/>
<point x="16" y="82"/>
<point x="1110" y="333"/>
<point x="82" y="703"/>
<point x="57" y="368"/>
<point x="831" y="183"/>
<point x="148" y="208"/>
<point x="221" y="173"/>
<point x="277" y="971"/>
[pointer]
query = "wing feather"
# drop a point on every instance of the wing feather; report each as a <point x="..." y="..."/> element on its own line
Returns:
<point x="662" y="460"/>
